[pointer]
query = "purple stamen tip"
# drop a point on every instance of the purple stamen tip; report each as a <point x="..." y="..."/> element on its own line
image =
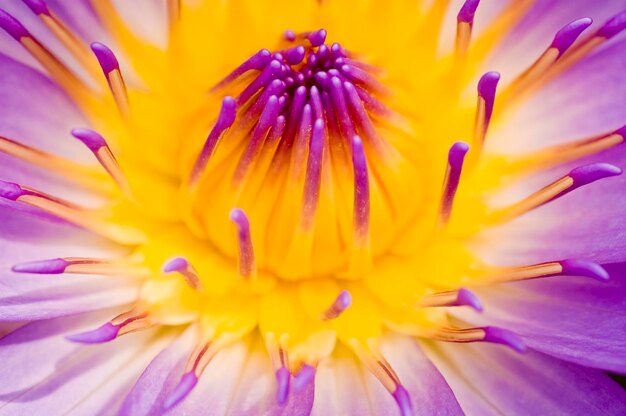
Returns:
<point x="176" y="264"/>
<point x="107" y="332"/>
<point x="295" y="55"/>
<point x="344" y="300"/>
<point x="12" y="26"/>
<point x="187" y="382"/>
<point x="317" y="38"/>
<point x="239" y="217"/>
<point x="466" y="297"/>
<point x="569" y="33"/>
<point x="584" y="268"/>
<point x="305" y="376"/>
<point x="283" y="379"/>
<point x="590" y="173"/>
<point x="457" y="153"/>
<point x="504" y="337"/>
<point x="487" y="85"/>
<point x="613" y="26"/>
<point x="467" y="12"/>
<point x="37" y="6"/>
<point x="11" y="191"/>
<point x="51" y="266"/>
<point x="93" y="140"/>
<point x="228" y="113"/>
<point x="403" y="399"/>
<point x="106" y="57"/>
<point x="289" y="35"/>
<point x="621" y="131"/>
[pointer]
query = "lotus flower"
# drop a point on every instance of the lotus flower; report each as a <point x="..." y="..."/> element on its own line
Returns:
<point x="328" y="207"/>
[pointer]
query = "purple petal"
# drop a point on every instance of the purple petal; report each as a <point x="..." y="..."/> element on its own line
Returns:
<point x="493" y="380"/>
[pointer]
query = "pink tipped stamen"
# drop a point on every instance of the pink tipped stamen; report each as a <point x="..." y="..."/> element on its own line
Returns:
<point x="82" y="265"/>
<point x="361" y="208"/>
<point x="283" y="381"/>
<point x="303" y="378"/>
<point x="464" y="25"/>
<point x="570" y="267"/>
<point x="484" y="108"/>
<point x="124" y="323"/>
<point x="256" y="62"/>
<point x="224" y="121"/>
<point x="460" y="297"/>
<point x="101" y="150"/>
<point x="577" y="178"/>
<point x="59" y="71"/>
<point x="69" y="212"/>
<point x="456" y="156"/>
<point x="269" y="73"/>
<point x="488" y="334"/>
<point x="341" y="108"/>
<point x="246" y="259"/>
<point x="566" y="37"/>
<point x="111" y="70"/>
<point x="341" y="303"/>
<point x="186" y="384"/>
<point x="184" y="268"/>
<point x="313" y="178"/>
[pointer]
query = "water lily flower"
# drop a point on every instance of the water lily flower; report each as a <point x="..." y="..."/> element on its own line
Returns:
<point x="331" y="207"/>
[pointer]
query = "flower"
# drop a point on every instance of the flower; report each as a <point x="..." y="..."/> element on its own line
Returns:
<point x="220" y="208"/>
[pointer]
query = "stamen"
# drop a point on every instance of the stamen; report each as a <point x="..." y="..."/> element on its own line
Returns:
<point x="578" y="177"/>
<point x="341" y="303"/>
<point x="313" y="178"/>
<point x="305" y="376"/>
<point x="101" y="150"/>
<point x="610" y="29"/>
<point x="65" y="35"/>
<point x="484" y="108"/>
<point x="224" y="121"/>
<point x="314" y="39"/>
<point x="71" y="213"/>
<point x="246" y="260"/>
<point x="59" y="72"/>
<point x="182" y="266"/>
<point x="127" y="322"/>
<point x="489" y="334"/>
<point x="266" y="121"/>
<point x="52" y="163"/>
<point x="561" y="43"/>
<point x="382" y="370"/>
<point x="461" y="297"/>
<point x="465" y="22"/>
<point x="270" y="73"/>
<point x="111" y="69"/>
<point x="456" y="156"/>
<point x="256" y="62"/>
<point x="82" y="265"/>
<point x="572" y="267"/>
<point x="360" y="259"/>
<point x="580" y="148"/>
<point x="280" y="361"/>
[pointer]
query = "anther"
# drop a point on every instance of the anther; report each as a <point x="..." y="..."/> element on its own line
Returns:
<point x="224" y="121"/>
<point x="184" y="268"/>
<point x="111" y="70"/>
<point x="484" y="108"/>
<point x="460" y="297"/>
<point x="571" y="267"/>
<point x="82" y="265"/>
<point x="341" y="303"/>
<point x="303" y="378"/>
<point x="456" y="156"/>
<point x="361" y="207"/>
<point x="488" y="334"/>
<point x="246" y="260"/>
<point x="61" y="74"/>
<point x="578" y="177"/>
<point x="313" y="177"/>
<point x="71" y="213"/>
<point x="101" y="150"/>
<point x="464" y="25"/>
<point x="256" y="62"/>
<point x="131" y="321"/>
